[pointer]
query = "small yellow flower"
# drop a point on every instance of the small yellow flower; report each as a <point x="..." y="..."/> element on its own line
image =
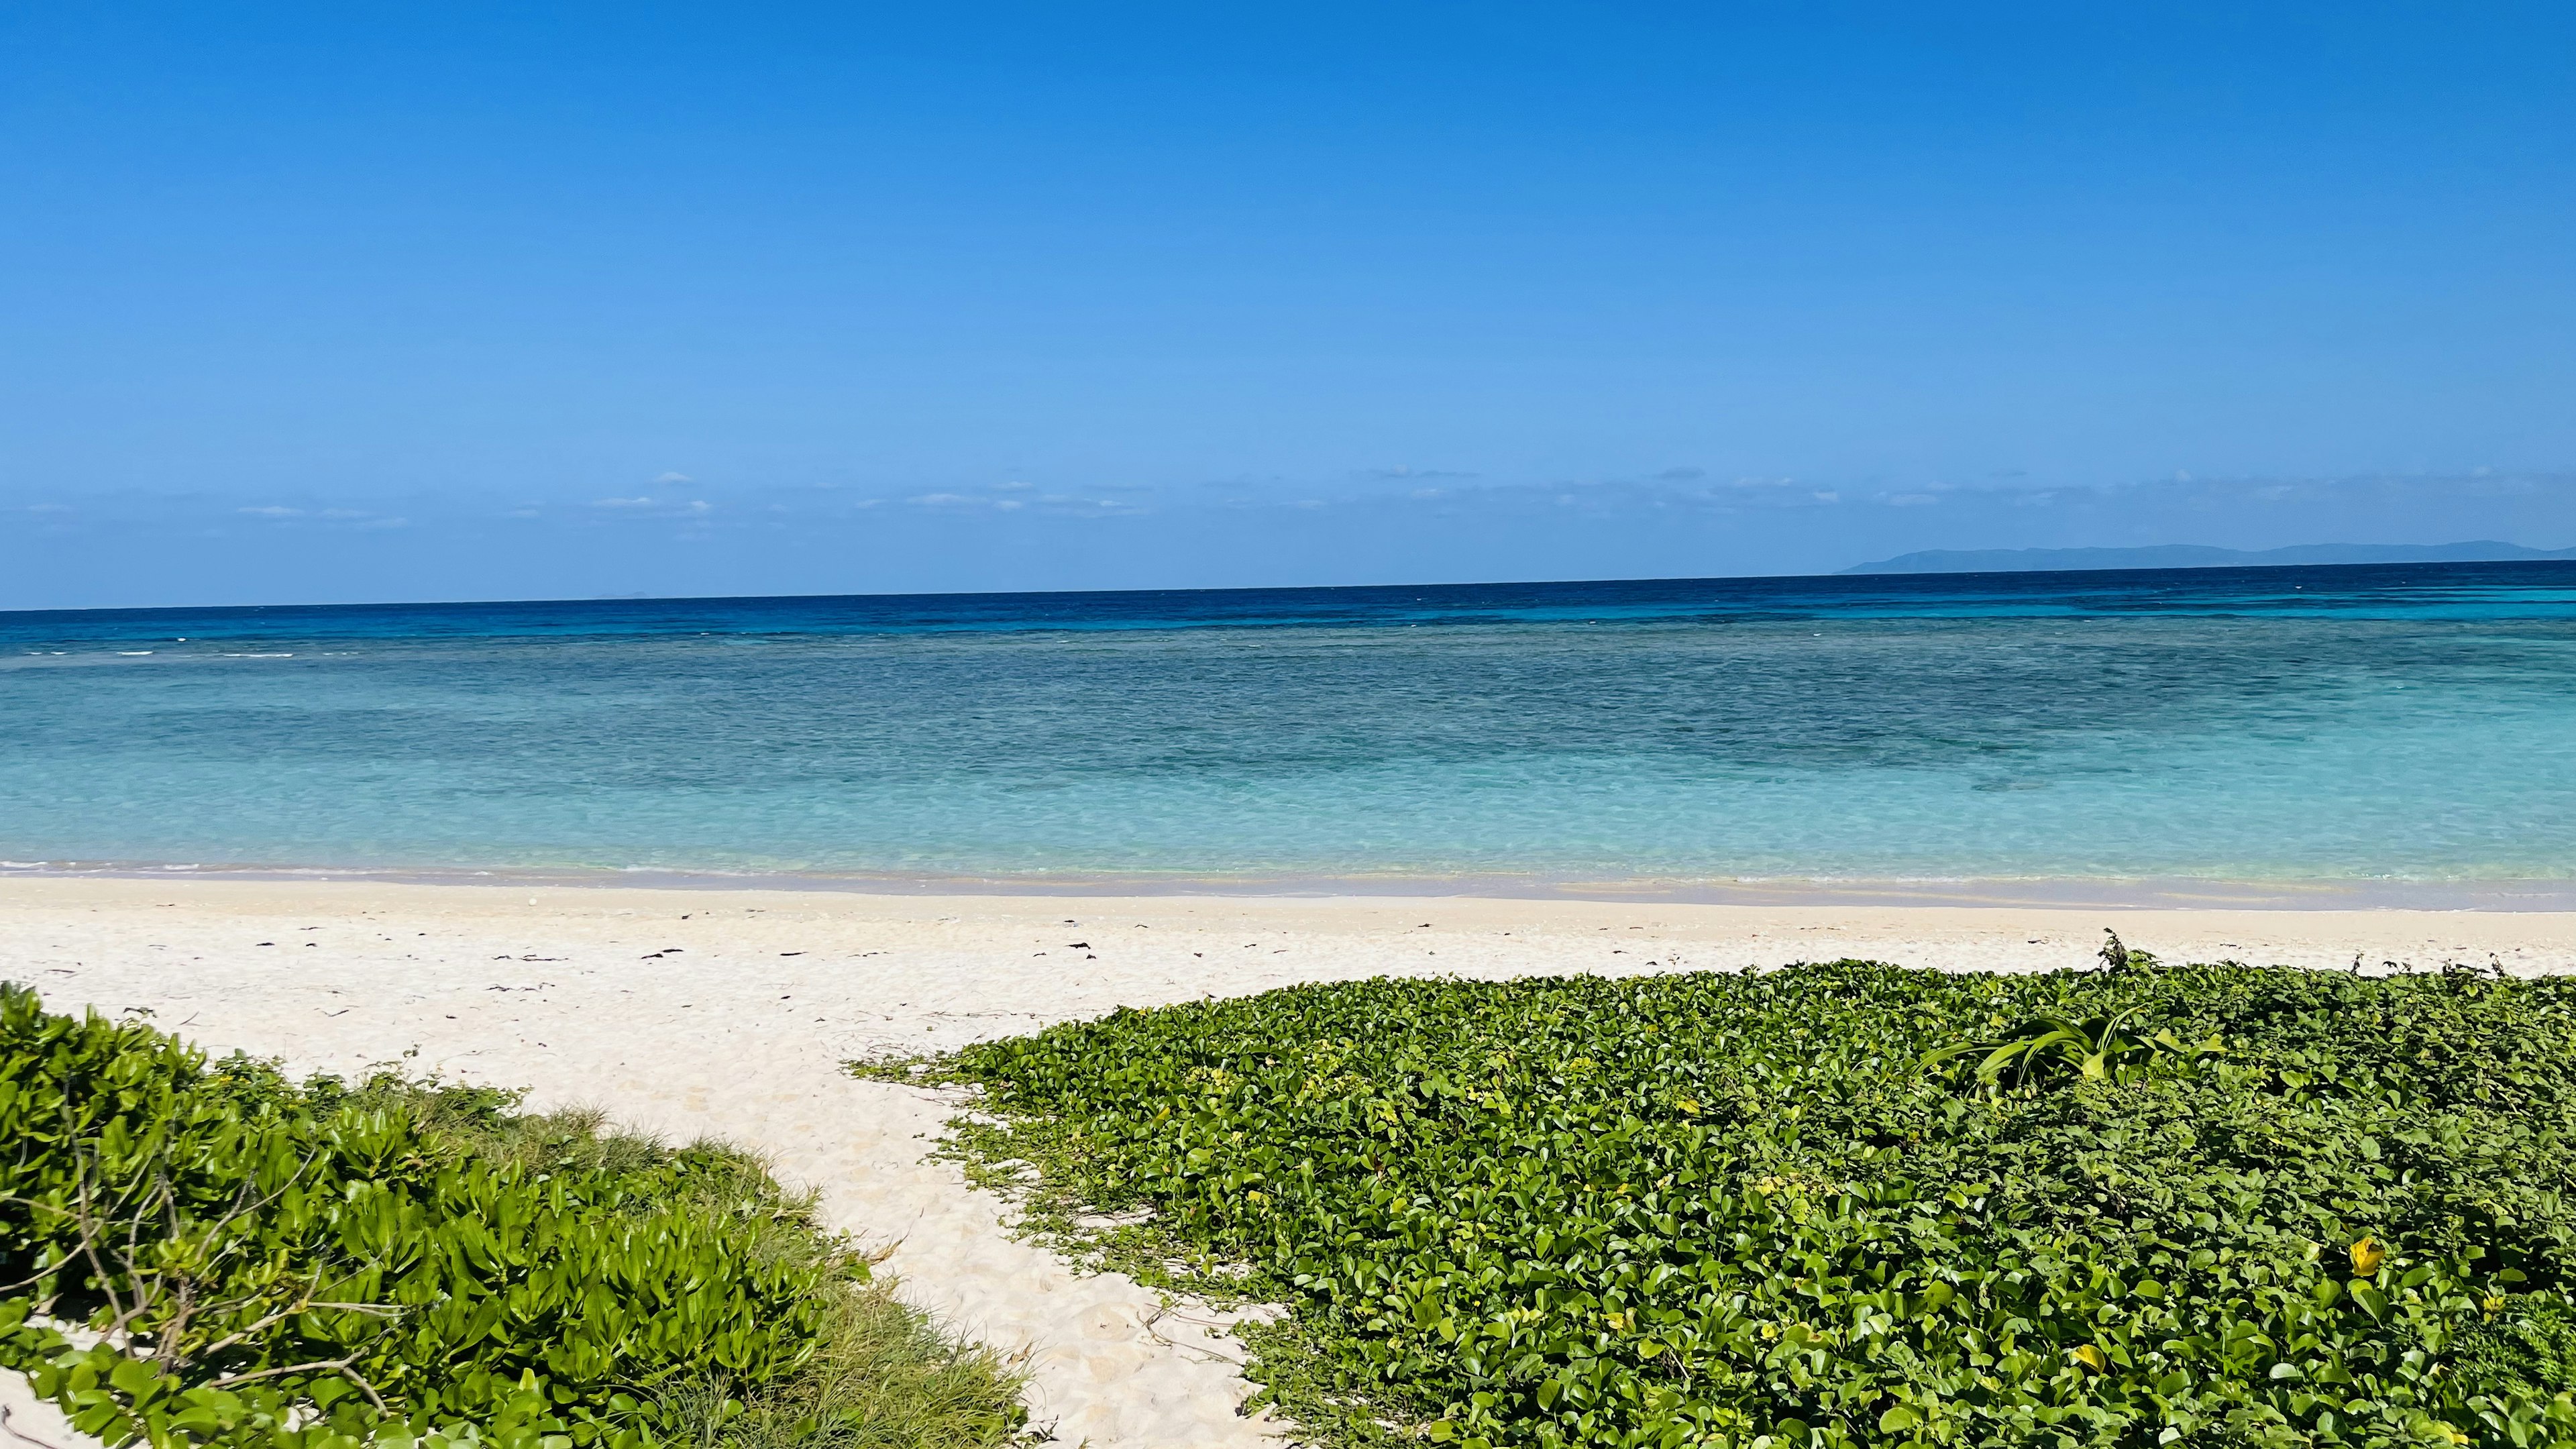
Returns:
<point x="2367" y="1255"/>
<point x="2494" y="1304"/>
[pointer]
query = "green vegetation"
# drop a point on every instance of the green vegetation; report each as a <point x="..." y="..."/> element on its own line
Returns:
<point x="318" y="1266"/>
<point x="1846" y="1204"/>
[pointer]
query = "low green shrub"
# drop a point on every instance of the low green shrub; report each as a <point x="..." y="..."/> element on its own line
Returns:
<point x="319" y="1266"/>
<point x="1847" y="1204"/>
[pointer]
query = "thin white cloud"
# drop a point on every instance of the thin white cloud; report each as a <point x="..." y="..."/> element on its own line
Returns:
<point x="675" y="478"/>
<point x="272" y="510"/>
<point x="621" y="503"/>
<point x="1402" y="471"/>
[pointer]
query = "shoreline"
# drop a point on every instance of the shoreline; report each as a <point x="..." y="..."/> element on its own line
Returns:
<point x="2500" y="894"/>
<point x="729" y="1014"/>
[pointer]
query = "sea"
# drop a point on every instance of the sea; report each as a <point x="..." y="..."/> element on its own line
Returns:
<point x="2406" y="732"/>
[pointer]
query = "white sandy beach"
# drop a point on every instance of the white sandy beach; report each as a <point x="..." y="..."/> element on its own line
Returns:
<point x="728" y="1014"/>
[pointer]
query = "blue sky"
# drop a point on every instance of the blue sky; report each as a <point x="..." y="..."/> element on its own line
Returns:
<point x="349" y="302"/>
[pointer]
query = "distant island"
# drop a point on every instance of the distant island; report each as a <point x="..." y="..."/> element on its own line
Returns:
<point x="2196" y="556"/>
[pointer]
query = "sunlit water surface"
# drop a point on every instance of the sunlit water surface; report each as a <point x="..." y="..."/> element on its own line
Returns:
<point x="2326" y="724"/>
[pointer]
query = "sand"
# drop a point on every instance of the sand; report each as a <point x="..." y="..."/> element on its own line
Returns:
<point x="728" y="1014"/>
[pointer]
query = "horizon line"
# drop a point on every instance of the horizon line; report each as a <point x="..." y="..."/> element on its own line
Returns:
<point x="1858" y="571"/>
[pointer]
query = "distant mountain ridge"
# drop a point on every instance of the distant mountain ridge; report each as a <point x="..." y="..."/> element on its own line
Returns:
<point x="2196" y="556"/>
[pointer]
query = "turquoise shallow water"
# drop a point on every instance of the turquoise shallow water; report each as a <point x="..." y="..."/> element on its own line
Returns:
<point x="2412" y="723"/>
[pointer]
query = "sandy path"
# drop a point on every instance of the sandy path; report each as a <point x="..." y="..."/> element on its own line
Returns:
<point x="727" y="1013"/>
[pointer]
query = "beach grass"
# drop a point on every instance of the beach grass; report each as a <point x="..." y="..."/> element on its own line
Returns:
<point x="881" y="1375"/>
<point x="1844" y="1204"/>
<point x="208" y="1252"/>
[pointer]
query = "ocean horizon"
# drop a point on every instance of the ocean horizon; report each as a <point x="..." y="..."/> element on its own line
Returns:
<point x="2406" y="731"/>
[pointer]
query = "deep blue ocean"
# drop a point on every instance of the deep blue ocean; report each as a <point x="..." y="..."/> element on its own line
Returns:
<point x="2344" y="724"/>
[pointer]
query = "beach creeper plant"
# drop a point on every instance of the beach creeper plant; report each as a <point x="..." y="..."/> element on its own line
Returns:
<point x="196" y="1253"/>
<point x="1845" y="1204"/>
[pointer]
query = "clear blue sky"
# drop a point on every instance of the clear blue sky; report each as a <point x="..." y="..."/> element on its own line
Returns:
<point x="349" y="302"/>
